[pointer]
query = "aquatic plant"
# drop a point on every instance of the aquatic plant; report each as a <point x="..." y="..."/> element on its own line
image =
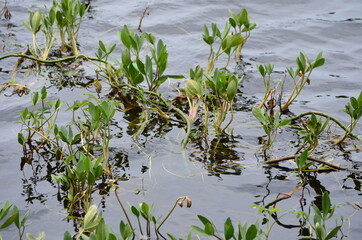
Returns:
<point x="312" y="128"/>
<point x="95" y="227"/>
<point x="67" y="15"/>
<point x="271" y="108"/>
<point x="271" y="124"/>
<point x="354" y="110"/>
<point x="228" y="42"/>
<point x="79" y="178"/>
<point x="216" y="93"/>
<point x="301" y="75"/>
<point x="318" y="228"/>
<point x="243" y="231"/>
<point x="38" y="121"/>
<point x="220" y="87"/>
<point x="13" y="217"/>
<point x="81" y="147"/>
<point x="152" y="68"/>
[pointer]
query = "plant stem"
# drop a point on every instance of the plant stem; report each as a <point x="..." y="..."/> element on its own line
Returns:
<point x="123" y="209"/>
<point x="169" y="213"/>
<point x="65" y="59"/>
<point x="334" y="166"/>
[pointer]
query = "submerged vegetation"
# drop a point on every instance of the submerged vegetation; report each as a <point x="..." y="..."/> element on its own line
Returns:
<point x="78" y="151"/>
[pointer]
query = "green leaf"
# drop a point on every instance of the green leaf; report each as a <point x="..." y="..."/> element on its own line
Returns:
<point x="317" y="214"/>
<point x="59" y="18"/>
<point x="251" y="233"/>
<point x="231" y="90"/>
<point x="135" y="211"/>
<point x="91" y="220"/>
<point x="134" y="75"/>
<point x="126" y="57"/>
<point x="235" y="40"/>
<point x="94" y="112"/>
<point x="8" y="222"/>
<point x="148" y="68"/>
<point x="66" y="134"/>
<point x="125" y="37"/>
<point x="302" y="159"/>
<point x="228" y="229"/>
<point x="5" y="209"/>
<point x="208" y="226"/>
<point x="35" y="98"/>
<point x="21" y="140"/>
<point x="149" y="37"/>
<point x="101" y="46"/>
<point x="24" y="114"/>
<point x="209" y="229"/>
<point x="125" y="230"/>
<point x="26" y="24"/>
<point x="259" y="114"/>
<point x="67" y="236"/>
<point x="301" y="62"/>
<point x="198" y="231"/>
<point x="326" y="204"/>
<point x="108" y="109"/>
<point x="31" y="237"/>
<point x="232" y="22"/>
<point x="244" y="17"/>
<point x="43" y="93"/>
<point x="284" y="122"/>
<point x="35" y="21"/>
<point x="141" y="66"/>
<point x="193" y="88"/>
<point x="354" y="102"/>
<point x="320" y="231"/>
<point x="333" y="233"/>
<point x="303" y="133"/>
<point x="261" y="70"/>
<point x="58" y="104"/>
<point x="16" y="216"/>
<point x="319" y="62"/>
<point x="25" y="217"/>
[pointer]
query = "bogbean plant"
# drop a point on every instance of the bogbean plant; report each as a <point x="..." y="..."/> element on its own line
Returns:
<point x="95" y="227"/>
<point x="67" y="15"/>
<point x="215" y="88"/>
<point x="271" y="109"/>
<point x="226" y="41"/>
<point x="39" y="120"/>
<point x="9" y="215"/>
<point x="82" y="147"/>
<point x="317" y="225"/>
<point x="354" y="111"/>
<point x="312" y="128"/>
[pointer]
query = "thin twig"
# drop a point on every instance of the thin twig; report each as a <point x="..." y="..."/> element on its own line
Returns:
<point x="145" y="12"/>
<point x="332" y="165"/>
<point x="58" y="60"/>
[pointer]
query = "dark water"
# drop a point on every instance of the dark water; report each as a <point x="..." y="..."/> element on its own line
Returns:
<point x="221" y="184"/>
